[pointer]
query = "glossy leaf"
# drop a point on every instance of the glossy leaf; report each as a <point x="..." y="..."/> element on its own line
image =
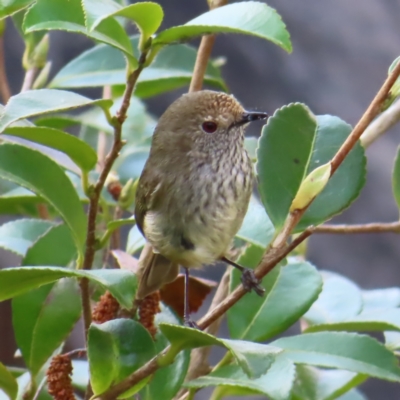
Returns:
<point x="381" y="298"/>
<point x="349" y="351"/>
<point x="257" y="228"/>
<point x="116" y="349"/>
<point x="313" y="383"/>
<point x="19" y="201"/>
<point x="250" y="17"/>
<point x="166" y="381"/>
<point x="135" y="241"/>
<point x="39" y="330"/>
<point x="15" y="281"/>
<point x="276" y="383"/>
<point x="392" y="340"/>
<point x="379" y="320"/>
<point x="339" y="300"/>
<point x="293" y="144"/>
<point x="68" y="15"/>
<point x="8" y="384"/>
<point x="35" y="102"/>
<point x="253" y="358"/>
<point x="396" y="178"/>
<point x="17" y="236"/>
<point x="12" y="6"/>
<point x="104" y="65"/>
<point x="47" y="250"/>
<point x="290" y="291"/>
<point x="79" y="152"/>
<point x="147" y="15"/>
<point x="49" y="181"/>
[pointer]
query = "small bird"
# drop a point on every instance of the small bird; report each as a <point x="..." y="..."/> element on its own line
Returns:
<point x="194" y="190"/>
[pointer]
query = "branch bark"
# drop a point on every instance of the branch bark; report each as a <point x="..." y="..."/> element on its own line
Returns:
<point x="377" y="227"/>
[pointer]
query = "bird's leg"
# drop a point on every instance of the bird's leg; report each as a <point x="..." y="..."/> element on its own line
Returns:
<point x="249" y="280"/>
<point x="186" y="312"/>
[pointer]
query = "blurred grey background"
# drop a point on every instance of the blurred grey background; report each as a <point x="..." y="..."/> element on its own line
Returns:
<point x="342" y="50"/>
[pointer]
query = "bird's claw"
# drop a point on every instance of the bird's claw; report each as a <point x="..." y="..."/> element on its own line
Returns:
<point x="251" y="282"/>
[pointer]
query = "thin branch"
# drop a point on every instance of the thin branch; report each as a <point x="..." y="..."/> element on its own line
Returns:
<point x="86" y="308"/>
<point x="203" y="54"/>
<point x="4" y="86"/>
<point x="377" y="227"/>
<point x="381" y="124"/>
<point x="372" y="111"/>
<point x="76" y="352"/>
<point x="29" y="79"/>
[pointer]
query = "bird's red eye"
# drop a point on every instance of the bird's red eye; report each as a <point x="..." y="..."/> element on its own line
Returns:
<point x="209" y="126"/>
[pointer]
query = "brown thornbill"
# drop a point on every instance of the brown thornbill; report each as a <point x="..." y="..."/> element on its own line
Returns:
<point x="195" y="188"/>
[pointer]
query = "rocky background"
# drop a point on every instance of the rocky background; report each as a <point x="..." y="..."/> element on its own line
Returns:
<point x="342" y="50"/>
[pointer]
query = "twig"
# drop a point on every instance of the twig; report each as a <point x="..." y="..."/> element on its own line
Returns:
<point x="203" y="54"/>
<point x="96" y="191"/>
<point x="29" y="79"/>
<point x="372" y="111"/>
<point x="4" y="86"/>
<point x="76" y="352"/>
<point x="381" y="124"/>
<point x="360" y="228"/>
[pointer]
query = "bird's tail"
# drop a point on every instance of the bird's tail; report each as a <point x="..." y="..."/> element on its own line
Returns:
<point x="154" y="272"/>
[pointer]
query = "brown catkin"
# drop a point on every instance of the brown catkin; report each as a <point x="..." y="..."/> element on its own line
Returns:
<point x="149" y="307"/>
<point x="59" y="379"/>
<point x="106" y="308"/>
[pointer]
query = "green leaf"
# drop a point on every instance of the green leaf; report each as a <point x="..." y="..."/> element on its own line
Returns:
<point x="8" y="383"/>
<point x="47" y="250"/>
<point x="19" y="201"/>
<point x="135" y="240"/>
<point x="35" y="102"/>
<point x="250" y="17"/>
<point x="56" y="121"/>
<point x="313" y="383"/>
<point x="19" y="235"/>
<point x="396" y="178"/>
<point x="293" y="144"/>
<point x="103" y="65"/>
<point x="395" y="89"/>
<point x="38" y="327"/>
<point x="166" y="381"/>
<point x="49" y="181"/>
<point x="381" y="298"/>
<point x="257" y="228"/>
<point x="15" y="281"/>
<point x="147" y="15"/>
<point x="349" y="351"/>
<point x="253" y="358"/>
<point x="339" y="300"/>
<point x="276" y="383"/>
<point x="68" y="15"/>
<point x="116" y="349"/>
<point x="290" y="291"/>
<point x="79" y="152"/>
<point x="378" y="320"/>
<point x="9" y="7"/>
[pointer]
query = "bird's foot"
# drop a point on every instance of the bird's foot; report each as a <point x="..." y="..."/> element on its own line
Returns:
<point x="190" y="323"/>
<point x="251" y="282"/>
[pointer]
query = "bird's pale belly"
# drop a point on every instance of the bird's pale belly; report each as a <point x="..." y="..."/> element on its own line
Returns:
<point x="199" y="240"/>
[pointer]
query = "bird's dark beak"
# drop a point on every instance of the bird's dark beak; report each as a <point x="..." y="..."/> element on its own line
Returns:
<point x="250" y="116"/>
